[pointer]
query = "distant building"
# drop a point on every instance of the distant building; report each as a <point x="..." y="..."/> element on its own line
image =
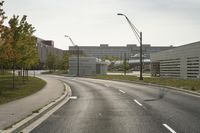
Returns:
<point x="87" y="66"/>
<point x="46" y="47"/>
<point x="180" y="62"/>
<point x="131" y="50"/>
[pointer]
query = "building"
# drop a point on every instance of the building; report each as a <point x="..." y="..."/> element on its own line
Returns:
<point x="46" y="47"/>
<point x="87" y="66"/>
<point x="180" y="62"/>
<point x="117" y="51"/>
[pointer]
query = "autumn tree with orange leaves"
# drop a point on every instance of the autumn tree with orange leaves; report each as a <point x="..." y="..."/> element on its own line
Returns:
<point x="17" y="44"/>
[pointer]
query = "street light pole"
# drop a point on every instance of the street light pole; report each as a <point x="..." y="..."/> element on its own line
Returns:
<point x="77" y="74"/>
<point x="139" y="38"/>
<point x="78" y="54"/>
<point x="141" y="78"/>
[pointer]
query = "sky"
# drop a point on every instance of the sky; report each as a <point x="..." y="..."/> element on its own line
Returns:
<point x="95" y="22"/>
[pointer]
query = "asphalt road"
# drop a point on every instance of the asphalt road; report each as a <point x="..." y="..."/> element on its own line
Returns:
<point x="117" y="107"/>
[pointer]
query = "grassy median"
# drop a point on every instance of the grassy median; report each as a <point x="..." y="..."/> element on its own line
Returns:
<point x="193" y="85"/>
<point x="30" y="86"/>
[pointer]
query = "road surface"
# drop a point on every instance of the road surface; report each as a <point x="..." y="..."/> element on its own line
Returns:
<point x="116" y="107"/>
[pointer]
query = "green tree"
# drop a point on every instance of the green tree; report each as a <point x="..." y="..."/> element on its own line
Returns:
<point x="17" y="44"/>
<point x="2" y="17"/>
<point x="2" y="54"/>
<point x="63" y="63"/>
<point x="51" y="62"/>
<point x="26" y="46"/>
<point x="112" y="60"/>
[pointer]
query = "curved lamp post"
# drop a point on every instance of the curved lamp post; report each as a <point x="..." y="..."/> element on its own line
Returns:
<point x="139" y="38"/>
<point x="77" y="54"/>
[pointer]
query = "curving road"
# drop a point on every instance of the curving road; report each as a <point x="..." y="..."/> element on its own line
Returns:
<point x="117" y="107"/>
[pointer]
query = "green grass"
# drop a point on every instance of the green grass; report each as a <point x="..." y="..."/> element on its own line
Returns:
<point x="30" y="86"/>
<point x="187" y="84"/>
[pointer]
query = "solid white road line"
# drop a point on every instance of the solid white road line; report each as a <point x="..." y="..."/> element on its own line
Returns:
<point x="137" y="102"/>
<point x="169" y="128"/>
<point x="122" y="91"/>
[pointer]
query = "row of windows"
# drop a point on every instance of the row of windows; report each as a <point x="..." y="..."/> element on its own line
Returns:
<point x="170" y="71"/>
<point x="192" y="63"/>
<point x="193" y="73"/>
<point x="170" y="59"/>
<point x="192" y="57"/>
<point x="170" y="65"/>
<point x="175" y="73"/>
<point x="192" y="76"/>
<point x="191" y="70"/>
<point x="172" y="62"/>
<point x="192" y="60"/>
<point x="193" y="67"/>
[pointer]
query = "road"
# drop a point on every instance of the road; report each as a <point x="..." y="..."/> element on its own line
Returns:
<point x="117" y="107"/>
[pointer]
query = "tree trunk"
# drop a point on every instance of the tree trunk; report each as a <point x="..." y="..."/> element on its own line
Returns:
<point x="23" y="75"/>
<point x="13" y="78"/>
<point x="27" y="74"/>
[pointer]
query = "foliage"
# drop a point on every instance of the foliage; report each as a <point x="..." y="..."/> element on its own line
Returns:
<point x="17" y="43"/>
<point x="126" y="65"/>
<point x="51" y="61"/>
<point x="63" y="63"/>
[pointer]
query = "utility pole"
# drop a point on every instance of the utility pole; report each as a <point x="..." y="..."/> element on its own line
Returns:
<point x="124" y="63"/>
<point x="141" y="78"/>
<point x="78" y="55"/>
<point x="139" y="38"/>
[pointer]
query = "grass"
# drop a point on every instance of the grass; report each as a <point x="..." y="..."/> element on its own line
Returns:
<point x="193" y="85"/>
<point x="30" y="86"/>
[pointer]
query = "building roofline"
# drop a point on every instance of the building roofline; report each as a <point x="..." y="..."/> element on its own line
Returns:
<point x="185" y="45"/>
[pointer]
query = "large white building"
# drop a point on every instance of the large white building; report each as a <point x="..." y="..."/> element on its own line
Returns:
<point x="118" y="51"/>
<point x="180" y="62"/>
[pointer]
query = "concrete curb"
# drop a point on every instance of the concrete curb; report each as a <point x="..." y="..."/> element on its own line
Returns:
<point x="33" y="117"/>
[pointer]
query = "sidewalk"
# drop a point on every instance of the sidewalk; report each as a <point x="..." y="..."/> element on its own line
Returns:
<point x="12" y="112"/>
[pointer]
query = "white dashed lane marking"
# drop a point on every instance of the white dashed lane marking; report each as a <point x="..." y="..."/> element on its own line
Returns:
<point x="137" y="102"/>
<point x="73" y="97"/>
<point x="169" y="128"/>
<point x="122" y="91"/>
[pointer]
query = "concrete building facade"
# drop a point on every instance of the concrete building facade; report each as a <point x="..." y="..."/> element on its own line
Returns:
<point x="46" y="47"/>
<point x="180" y="62"/>
<point x="87" y="66"/>
<point x="118" y="51"/>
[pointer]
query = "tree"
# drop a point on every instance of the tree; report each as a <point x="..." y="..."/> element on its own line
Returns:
<point x="51" y="62"/>
<point x="17" y="44"/>
<point x="2" y="18"/>
<point x="26" y="46"/>
<point x="63" y="63"/>
<point x="112" y="60"/>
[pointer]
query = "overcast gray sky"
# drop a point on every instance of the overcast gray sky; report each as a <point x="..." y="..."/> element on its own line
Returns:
<point x="94" y="22"/>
